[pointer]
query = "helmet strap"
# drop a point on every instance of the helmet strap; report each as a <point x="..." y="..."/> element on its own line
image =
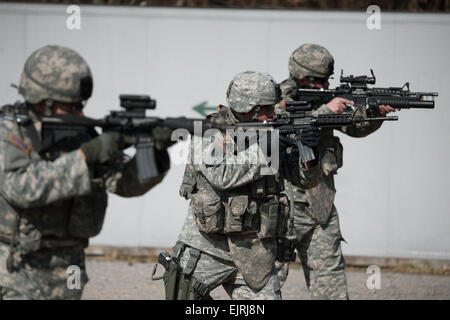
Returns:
<point x="255" y="113"/>
<point x="48" y="111"/>
<point x="312" y="82"/>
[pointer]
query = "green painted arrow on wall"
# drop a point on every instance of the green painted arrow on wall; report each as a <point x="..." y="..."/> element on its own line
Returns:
<point x="202" y="108"/>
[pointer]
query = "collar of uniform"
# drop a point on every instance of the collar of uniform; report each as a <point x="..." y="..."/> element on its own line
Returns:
<point x="288" y="88"/>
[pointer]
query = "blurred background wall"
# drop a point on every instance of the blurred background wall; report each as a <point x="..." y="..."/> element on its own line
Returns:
<point x="398" y="5"/>
<point x="393" y="191"/>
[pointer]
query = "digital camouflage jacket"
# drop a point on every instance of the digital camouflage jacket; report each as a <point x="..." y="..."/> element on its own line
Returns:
<point x="235" y="212"/>
<point x="50" y="206"/>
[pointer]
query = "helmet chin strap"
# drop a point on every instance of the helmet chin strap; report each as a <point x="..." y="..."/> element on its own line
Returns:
<point x="255" y="113"/>
<point x="48" y="111"/>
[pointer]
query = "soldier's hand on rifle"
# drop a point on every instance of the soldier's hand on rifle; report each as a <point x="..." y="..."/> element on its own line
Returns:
<point x="162" y="136"/>
<point x="310" y="136"/>
<point x="383" y="110"/>
<point x="104" y="148"/>
<point x="337" y="105"/>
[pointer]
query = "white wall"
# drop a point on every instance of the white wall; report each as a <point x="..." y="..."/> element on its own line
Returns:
<point x="393" y="191"/>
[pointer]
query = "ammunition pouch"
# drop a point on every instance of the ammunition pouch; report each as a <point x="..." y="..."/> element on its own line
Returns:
<point x="331" y="155"/>
<point x="181" y="284"/>
<point x="241" y="214"/>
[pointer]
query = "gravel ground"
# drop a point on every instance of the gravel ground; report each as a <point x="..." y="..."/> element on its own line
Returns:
<point x="123" y="280"/>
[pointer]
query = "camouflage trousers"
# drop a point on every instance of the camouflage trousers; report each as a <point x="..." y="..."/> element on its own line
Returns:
<point x="319" y="250"/>
<point x="42" y="275"/>
<point x="213" y="271"/>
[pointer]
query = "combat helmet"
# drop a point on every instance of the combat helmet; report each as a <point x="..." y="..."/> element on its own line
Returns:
<point x="311" y="60"/>
<point x="55" y="73"/>
<point x="251" y="88"/>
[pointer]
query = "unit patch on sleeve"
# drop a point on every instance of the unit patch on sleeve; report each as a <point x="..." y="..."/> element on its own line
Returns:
<point x="22" y="145"/>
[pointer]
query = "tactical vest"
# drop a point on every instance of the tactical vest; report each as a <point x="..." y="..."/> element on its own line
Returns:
<point x="64" y="223"/>
<point x="257" y="207"/>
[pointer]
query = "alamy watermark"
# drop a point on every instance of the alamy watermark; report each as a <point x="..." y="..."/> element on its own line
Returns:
<point x="374" y="280"/>
<point x="374" y="17"/>
<point x="74" y="278"/>
<point x="73" y="21"/>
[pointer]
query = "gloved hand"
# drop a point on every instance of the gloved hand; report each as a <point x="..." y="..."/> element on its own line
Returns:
<point x="104" y="148"/>
<point x="310" y="136"/>
<point x="162" y="136"/>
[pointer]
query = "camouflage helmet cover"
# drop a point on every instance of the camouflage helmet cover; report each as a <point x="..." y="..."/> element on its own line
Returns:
<point x="311" y="60"/>
<point x="251" y="88"/>
<point x="56" y="73"/>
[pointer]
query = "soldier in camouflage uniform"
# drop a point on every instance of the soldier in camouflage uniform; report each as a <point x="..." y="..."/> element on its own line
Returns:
<point x="235" y="212"/>
<point x="53" y="196"/>
<point x="316" y="223"/>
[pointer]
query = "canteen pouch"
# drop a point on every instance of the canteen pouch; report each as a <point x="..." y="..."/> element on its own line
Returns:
<point x="268" y="212"/>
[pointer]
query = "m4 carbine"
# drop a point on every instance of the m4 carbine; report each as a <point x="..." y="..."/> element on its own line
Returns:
<point x="132" y="122"/>
<point x="297" y="120"/>
<point x="355" y="88"/>
<point x="352" y="88"/>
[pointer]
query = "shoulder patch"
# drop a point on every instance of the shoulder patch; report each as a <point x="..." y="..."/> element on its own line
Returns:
<point x="22" y="145"/>
<point x="225" y="143"/>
